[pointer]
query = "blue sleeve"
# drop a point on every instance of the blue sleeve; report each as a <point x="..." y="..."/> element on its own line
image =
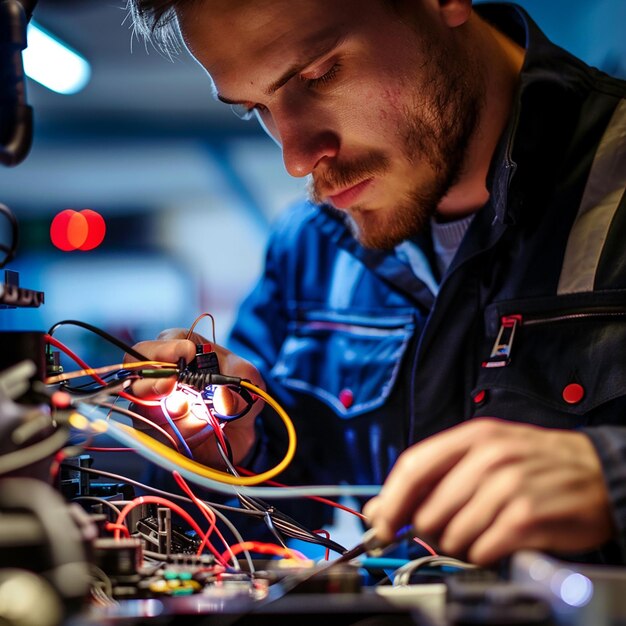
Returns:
<point x="610" y="444"/>
<point x="259" y="332"/>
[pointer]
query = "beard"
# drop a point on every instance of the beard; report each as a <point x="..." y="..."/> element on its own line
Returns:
<point x="434" y="131"/>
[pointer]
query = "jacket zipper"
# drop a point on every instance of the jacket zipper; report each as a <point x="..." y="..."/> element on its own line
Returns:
<point x="500" y="355"/>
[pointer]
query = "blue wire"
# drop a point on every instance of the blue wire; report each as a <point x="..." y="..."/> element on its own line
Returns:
<point x="177" y="432"/>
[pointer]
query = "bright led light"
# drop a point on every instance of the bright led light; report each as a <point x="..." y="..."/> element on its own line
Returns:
<point x="50" y="62"/>
<point x="576" y="590"/>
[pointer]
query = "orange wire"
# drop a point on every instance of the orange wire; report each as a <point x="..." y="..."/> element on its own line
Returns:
<point x="61" y="346"/>
<point x="195" y="322"/>
<point x="267" y="548"/>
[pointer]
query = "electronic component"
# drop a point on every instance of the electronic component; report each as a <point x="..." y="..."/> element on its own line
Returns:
<point x="13" y="296"/>
<point x="170" y="539"/>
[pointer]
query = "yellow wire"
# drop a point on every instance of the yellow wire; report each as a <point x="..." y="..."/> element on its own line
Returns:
<point x="105" y="369"/>
<point x="223" y="477"/>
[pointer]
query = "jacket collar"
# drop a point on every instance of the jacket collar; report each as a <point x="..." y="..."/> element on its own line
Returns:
<point x="546" y="67"/>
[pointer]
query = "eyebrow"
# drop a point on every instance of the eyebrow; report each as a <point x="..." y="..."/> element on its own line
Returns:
<point x="324" y="44"/>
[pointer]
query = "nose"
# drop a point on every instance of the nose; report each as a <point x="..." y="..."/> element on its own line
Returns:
<point x="304" y="142"/>
<point x="302" y="152"/>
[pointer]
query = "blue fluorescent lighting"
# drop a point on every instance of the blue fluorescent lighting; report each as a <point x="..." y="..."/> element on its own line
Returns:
<point x="50" y="62"/>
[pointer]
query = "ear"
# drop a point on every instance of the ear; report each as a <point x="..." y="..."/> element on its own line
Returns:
<point x="455" y="12"/>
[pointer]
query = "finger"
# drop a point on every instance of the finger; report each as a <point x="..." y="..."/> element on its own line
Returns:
<point x="420" y="468"/>
<point x="460" y="484"/>
<point x="167" y="351"/>
<point x="551" y="512"/>
<point x="480" y="511"/>
<point x="153" y="388"/>
<point x="227" y="402"/>
<point x="170" y="334"/>
<point x="384" y="532"/>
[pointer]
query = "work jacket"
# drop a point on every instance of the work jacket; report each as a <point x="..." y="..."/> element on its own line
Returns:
<point x="369" y="354"/>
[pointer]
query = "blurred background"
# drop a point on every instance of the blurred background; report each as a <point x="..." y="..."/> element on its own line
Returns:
<point x="187" y="190"/>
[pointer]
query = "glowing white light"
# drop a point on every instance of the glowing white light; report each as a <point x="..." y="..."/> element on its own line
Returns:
<point x="53" y="64"/>
<point x="176" y="403"/>
<point x="539" y="569"/>
<point x="576" y="590"/>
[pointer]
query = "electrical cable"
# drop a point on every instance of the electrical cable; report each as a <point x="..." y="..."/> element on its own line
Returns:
<point x="55" y="342"/>
<point x="111" y="368"/>
<point x="402" y="576"/>
<point x="195" y="322"/>
<point x="137" y="416"/>
<point x="206" y="510"/>
<point x="102" y="333"/>
<point x="160" y="492"/>
<point x="153" y="453"/>
<point x="174" y="507"/>
<point x="24" y="457"/>
<point x="177" y="433"/>
<point x="216" y="507"/>
<point x="99" y="501"/>
<point x="276" y="520"/>
<point x="269" y="548"/>
<point x="180" y="462"/>
<point x="332" y="503"/>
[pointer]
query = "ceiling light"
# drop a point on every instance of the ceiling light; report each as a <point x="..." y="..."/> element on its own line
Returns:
<point x="52" y="63"/>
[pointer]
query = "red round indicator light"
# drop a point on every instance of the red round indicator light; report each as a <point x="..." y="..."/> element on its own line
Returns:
<point x="573" y="393"/>
<point x="74" y="230"/>
<point x="96" y="229"/>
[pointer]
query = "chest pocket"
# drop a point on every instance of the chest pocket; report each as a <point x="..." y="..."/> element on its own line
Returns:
<point x="557" y="362"/>
<point x="348" y="361"/>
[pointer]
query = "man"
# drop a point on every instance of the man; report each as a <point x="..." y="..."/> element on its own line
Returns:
<point x="460" y="267"/>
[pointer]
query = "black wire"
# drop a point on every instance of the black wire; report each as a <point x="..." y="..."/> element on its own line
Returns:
<point x="86" y="390"/>
<point x="12" y="248"/>
<point x="91" y="385"/>
<point x="276" y="520"/>
<point x="102" y="333"/>
<point x="161" y="492"/>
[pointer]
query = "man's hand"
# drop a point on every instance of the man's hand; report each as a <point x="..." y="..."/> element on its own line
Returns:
<point x="487" y="488"/>
<point x="170" y="346"/>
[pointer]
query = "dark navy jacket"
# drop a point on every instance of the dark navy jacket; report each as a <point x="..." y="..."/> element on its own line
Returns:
<point x="367" y="359"/>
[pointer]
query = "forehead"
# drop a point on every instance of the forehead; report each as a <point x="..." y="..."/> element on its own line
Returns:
<point x="230" y="36"/>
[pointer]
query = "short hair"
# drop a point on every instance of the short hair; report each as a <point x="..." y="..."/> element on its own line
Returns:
<point x="156" y="22"/>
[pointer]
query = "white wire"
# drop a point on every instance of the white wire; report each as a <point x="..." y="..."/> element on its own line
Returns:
<point x="93" y="413"/>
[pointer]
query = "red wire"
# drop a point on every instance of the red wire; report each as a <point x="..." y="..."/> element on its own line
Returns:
<point x="117" y="527"/>
<point x="326" y="534"/>
<point x="266" y="548"/>
<point x="425" y="546"/>
<point x="55" y="466"/>
<point x="172" y="505"/>
<point x="336" y="505"/>
<point x="421" y="542"/>
<point x="93" y="449"/>
<point x="210" y="516"/>
<point x="61" y="346"/>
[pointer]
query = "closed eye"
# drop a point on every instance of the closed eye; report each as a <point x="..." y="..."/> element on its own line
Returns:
<point x="324" y="79"/>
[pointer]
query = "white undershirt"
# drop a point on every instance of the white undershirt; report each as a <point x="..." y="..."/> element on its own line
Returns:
<point x="447" y="237"/>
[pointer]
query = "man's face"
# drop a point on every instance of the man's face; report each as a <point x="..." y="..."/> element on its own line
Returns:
<point x="376" y="108"/>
